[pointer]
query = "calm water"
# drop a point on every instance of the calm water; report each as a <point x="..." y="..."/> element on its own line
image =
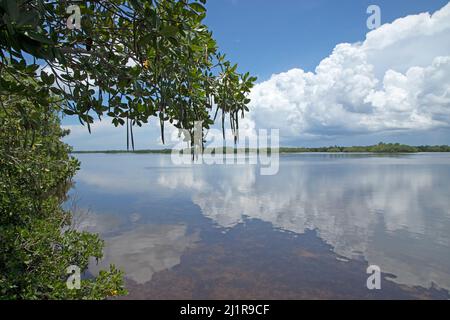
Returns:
<point x="308" y="232"/>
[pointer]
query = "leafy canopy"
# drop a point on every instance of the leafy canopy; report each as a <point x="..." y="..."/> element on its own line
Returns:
<point x="131" y="60"/>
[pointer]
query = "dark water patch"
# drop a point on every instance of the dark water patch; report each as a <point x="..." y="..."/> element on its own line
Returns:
<point x="252" y="261"/>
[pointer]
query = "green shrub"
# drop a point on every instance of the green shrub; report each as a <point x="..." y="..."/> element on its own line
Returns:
<point x="36" y="237"/>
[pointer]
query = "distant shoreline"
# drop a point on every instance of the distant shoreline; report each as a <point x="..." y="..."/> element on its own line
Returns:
<point x="378" y="148"/>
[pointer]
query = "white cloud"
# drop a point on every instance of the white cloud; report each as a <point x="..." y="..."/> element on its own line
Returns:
<point x="397" y="79"/>
<point x="145" y="250"/>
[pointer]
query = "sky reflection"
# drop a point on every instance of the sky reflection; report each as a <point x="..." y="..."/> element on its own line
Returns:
<point x="388" y="211"/>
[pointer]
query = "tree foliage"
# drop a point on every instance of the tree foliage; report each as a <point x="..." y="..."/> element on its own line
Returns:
<point x="378" y="148"/>
<point x="37" y="240"/>
<point x="131" y="60"/>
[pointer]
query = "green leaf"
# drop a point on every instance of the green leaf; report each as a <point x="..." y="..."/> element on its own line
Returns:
<point x="39" y="37"/>
<point x="51" y="79"/>
<point x="28" y="19"/>
<point x="46" y="78"/>
<point x="197" y="7"/>
<point x="136" y="4"/>
<point x="169" y="31"/>
<point x="55" y="90"/>
<point x="12" y="9"/>
<point x="69" y="112"/>
<point x="147" y="39"/>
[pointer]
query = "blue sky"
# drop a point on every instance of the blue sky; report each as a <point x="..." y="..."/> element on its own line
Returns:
<point x="283" y="43"/>
<point x="267" y="37"/>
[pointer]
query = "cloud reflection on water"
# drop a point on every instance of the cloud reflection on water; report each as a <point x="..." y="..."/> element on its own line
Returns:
<point x="392" y="211"/>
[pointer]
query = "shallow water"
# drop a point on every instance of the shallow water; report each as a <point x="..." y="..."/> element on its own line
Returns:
<point x="310" y="231"/>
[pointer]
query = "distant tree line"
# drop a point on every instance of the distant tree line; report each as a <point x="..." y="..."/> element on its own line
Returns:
<point x="378" y="148"/>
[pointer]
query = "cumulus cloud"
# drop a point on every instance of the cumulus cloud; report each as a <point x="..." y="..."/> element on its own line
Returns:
<point x="397" y="79"/>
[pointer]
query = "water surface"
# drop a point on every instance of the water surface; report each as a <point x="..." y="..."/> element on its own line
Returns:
<point x="310" y="231"/>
